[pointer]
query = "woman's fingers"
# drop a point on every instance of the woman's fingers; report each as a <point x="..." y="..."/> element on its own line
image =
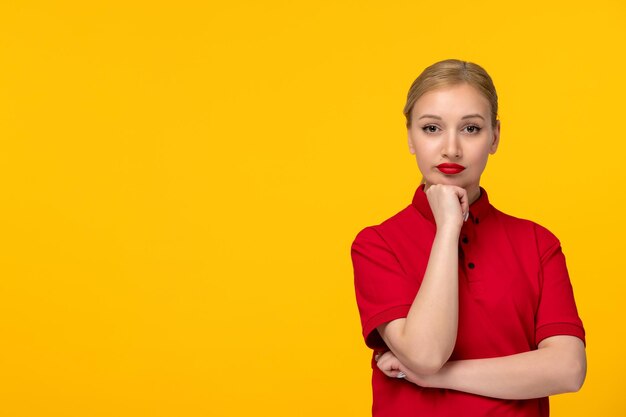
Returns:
<point x="390" y="365"/>
<point x="464" y="200"/>
<point x="449" y="204"/>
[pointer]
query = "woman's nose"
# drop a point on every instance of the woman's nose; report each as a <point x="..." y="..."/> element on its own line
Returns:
<point x="451" y="147"/>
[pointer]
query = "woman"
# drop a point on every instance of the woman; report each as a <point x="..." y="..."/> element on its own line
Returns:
<point x="469" y="311"/>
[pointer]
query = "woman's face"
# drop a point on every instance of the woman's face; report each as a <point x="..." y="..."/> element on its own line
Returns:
<point x="452" y="125"/>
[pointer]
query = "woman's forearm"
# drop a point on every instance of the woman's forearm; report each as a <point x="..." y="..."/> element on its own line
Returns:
<point x="430" y="329"/>
<point x="553" y="369"/>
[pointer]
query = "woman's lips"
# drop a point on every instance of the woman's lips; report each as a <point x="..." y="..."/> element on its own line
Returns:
<point x="450" y="168"/>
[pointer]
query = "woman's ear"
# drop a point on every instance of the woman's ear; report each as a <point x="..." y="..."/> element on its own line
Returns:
<point x="496" y="138"/>
<point x="411" y="147"/>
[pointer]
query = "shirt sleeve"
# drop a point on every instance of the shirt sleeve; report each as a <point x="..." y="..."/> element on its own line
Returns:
<point x="383" y="290"/>
<point x="557" y="313"/>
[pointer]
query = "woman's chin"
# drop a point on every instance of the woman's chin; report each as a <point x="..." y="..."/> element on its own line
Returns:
<point x="446" y="180"/>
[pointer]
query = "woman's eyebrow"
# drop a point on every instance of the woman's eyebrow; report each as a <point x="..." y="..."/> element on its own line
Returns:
<point x="469" y="116"/>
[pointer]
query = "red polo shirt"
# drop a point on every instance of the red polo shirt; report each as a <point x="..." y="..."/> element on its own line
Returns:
<point x="514" y="291"/>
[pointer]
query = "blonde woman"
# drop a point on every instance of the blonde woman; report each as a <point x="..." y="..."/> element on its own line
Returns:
<point x="468" y="311"/>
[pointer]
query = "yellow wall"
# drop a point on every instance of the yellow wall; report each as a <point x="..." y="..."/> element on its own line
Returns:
<point x="180" y="183"/>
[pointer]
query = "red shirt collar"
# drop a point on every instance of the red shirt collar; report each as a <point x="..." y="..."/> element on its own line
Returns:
<point x="478" y="209"/>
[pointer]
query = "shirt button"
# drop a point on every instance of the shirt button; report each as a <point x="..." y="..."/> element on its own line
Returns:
<point x="471" y="265"/>
<point x="465" y="239"/>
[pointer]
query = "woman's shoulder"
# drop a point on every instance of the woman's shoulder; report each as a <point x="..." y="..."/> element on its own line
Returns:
<point x="401" y="223"/>
<point x="520" y="227"/>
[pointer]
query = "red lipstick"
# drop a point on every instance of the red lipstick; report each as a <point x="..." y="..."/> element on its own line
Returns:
<point x="450" y="169"/>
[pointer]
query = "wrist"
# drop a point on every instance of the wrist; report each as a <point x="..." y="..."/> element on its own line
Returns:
<point x="449" y="230"/>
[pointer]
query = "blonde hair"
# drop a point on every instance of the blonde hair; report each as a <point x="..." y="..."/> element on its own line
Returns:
<point x="448" y="73"/>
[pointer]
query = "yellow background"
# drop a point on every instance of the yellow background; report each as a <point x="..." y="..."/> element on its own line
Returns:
<point x="181" y="183"/>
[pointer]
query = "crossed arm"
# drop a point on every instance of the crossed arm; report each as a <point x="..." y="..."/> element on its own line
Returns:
<point x="420" y="345"/>
<point x="558" y="366"/>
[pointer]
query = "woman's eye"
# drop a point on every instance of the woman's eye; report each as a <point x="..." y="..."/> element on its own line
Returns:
<point x="429" y="129"/>
<point x="473" y="129"/>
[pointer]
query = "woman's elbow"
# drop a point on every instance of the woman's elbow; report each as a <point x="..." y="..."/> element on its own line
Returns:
<point x="577" y="374"/>
<point x="569" y="363"/>
<point x="574" y="371"/>
<point x="426" y="364"/>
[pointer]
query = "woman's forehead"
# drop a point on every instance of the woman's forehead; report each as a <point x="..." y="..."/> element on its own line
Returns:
<point x="458" y="100"/>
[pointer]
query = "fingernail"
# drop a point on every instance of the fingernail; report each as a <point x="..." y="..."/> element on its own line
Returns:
<point x="466" y="216"/>
<point x="401" y="375"/>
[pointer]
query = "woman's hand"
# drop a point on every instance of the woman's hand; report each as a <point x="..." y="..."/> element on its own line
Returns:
<point x="391" y="366"/>
<point x="449" y="204"/>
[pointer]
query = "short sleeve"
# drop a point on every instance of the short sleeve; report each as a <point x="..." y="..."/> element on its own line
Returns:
<point x="557" y="313"/>
<point x="383" y="290"/>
